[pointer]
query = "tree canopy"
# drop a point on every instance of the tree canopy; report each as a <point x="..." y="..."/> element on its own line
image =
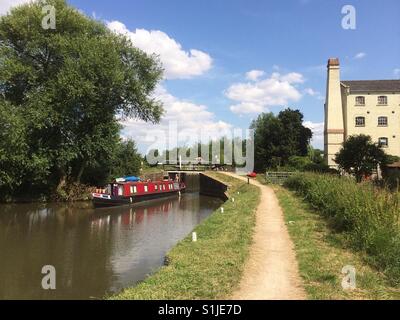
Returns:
<point x="62" y="92"/>
<point x="277" y="138"/>
<point x="360" y="156"/>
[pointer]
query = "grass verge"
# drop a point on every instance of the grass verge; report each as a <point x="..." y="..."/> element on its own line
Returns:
<point x="211" y="267"/>
<point x="322" y="253"/>
<point x="367" y="216"/>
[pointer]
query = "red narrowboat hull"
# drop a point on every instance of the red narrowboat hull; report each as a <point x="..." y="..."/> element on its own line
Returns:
<point x="136" y="192"/>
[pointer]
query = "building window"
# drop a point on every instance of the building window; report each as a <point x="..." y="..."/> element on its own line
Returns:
<point x="383" y="142"/>
<point x="382" y="121"/>
<point x="382" y="100"/>
<point x="360" y="122"/>
<point x="360" y="101"/>
<point x="146" y="188"/>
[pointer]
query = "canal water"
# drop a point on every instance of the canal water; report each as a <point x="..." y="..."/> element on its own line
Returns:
<point x="95" y="252"/>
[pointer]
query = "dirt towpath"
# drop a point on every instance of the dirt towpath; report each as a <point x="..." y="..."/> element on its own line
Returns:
<point x="271" y="271"/>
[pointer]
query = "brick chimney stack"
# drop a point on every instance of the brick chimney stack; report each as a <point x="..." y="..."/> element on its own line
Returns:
<point x="334" y="122"/>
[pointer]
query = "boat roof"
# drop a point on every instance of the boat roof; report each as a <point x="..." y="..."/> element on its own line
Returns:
<point x="135" y="182"/>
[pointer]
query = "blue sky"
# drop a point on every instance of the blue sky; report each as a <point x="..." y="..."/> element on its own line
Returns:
<point x="287" y="42"/>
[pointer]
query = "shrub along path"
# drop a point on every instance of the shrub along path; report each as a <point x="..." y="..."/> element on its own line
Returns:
<point x="271" y="271"/>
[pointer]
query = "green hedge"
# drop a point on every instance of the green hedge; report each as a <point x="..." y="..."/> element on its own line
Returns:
<point x="368" y="217"/>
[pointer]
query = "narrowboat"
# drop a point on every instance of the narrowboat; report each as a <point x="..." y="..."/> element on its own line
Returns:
<point x="131" y="190"/>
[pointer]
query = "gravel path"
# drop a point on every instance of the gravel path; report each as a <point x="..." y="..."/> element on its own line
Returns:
<point x="271" y="271"/>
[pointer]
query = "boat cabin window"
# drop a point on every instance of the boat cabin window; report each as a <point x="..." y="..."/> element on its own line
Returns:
<point x="133" y="189"/>
<point x="120" y="190"/>
<point x="156" y="187"/>
<point x="163" y="186"/>
<point x="146" y="188"/>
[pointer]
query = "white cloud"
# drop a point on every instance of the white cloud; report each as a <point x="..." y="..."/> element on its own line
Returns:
<point x="189" y="117"/>
<point x="310" y="92"/>
<point x="292" y="77"/>
<point x="396" y="72"/>
<point x="256" y="96"/>
<point x="247" y="107"/>
<point x="316" y="94"/>
<point x="254" y="75"/>
<point x="317" y="129"/>
<point x="360" y="55"/>
<point x="178" y="63"/>
<point x="6" y="5"/>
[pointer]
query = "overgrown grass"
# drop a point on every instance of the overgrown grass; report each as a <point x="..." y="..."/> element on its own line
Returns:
<point x="149" y="170"/>
<point x="366" y="218"/>
<point x="211" y="267"/>
<point x="322" y="253"/>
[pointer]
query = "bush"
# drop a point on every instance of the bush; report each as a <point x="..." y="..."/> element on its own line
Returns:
<point x="392" y="180"/>
<point x="319" y="167"/>
<point x="368" y="217"/>
<point x="299" y="163"/>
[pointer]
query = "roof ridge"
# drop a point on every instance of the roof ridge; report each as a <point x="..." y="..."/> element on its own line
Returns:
<point x="385" y="85"/>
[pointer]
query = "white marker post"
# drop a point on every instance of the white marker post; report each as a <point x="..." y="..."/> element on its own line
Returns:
<point x="194" y="236"/>
<point x="222" y="209"/>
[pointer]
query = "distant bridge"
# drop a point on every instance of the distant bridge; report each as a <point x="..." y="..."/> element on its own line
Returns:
<point x="192" y="167"/>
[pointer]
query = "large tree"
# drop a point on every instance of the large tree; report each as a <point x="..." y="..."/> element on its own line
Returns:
<point x="360" y="156"/>
<point x="277" y="138"/>
<point x="67" y="88"/>
<point x="127" y="160"/>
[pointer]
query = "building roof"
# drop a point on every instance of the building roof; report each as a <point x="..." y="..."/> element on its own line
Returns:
<point x="373" y="85"/>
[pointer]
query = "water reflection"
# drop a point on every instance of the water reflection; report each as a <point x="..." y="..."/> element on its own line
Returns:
<point x="95" y="251"/>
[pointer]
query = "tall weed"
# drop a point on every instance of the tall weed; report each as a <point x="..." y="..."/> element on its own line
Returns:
<point x="369" y="216"/>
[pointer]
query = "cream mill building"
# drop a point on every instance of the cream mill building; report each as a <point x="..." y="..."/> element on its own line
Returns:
<point x="370" y="107"/>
